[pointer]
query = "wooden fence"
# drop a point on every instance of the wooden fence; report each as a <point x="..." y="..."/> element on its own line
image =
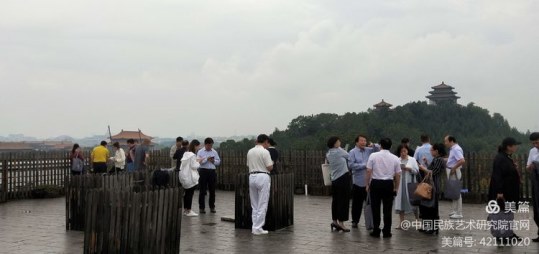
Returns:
<point x="77" y="187"/>
<point x="21" y="172"/>
<point x="121" y="221"/>
<point x="280" y="212"/>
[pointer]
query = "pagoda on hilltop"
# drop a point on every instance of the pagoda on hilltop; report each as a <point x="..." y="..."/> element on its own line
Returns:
<point x="442" y="93"/>
<point x="382" y="106"/>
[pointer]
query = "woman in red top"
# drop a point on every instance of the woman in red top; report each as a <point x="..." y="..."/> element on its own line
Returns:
<point x="76" y="152"/>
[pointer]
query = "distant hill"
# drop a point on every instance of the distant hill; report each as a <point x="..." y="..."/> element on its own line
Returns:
<point x="473" y="126"/>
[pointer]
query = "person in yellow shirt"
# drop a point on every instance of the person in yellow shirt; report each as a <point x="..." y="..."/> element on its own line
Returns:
<point x="99" y="157"/>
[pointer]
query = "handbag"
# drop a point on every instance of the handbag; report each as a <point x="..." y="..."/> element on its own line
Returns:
<point x="415" y="200"/>
<point x="326" y="173"/>
<point x="430" y="202"/>
<point x="452" y="189"/>
<point x="424" y="189"/>
<point x="369" y="224"/>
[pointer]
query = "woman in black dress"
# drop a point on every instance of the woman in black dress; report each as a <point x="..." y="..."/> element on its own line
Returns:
<point x="430" y="213"/>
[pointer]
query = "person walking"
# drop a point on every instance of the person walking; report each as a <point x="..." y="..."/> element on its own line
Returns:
<point x="455" y="161"/>
<point x="98" y="158"/>
<point x="533" y="166"/>
<point x="434" y="169"/>
<point x="383" y="176"/>
<point x="77" y="160"/>
<point x="260" y="165"/>
<point x="357" y="163"/>
<point x="409" y="173"/>
<point x="119" y="158"/>
<point x="337" y="159"/>
<point x="189" y="176"/>
<point x="173" y="149"/>
<point x="208" y="175"/>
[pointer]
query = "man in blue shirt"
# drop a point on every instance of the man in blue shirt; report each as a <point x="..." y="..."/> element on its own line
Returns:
<point x="422" y="153"/>
<point x="208" y="176"/>
<point x="357" y="162"/>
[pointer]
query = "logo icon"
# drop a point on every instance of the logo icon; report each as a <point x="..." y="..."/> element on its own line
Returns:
<point x="492" y="207"/>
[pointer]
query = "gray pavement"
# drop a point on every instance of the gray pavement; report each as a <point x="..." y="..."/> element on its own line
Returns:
<point x="38" y="226"/>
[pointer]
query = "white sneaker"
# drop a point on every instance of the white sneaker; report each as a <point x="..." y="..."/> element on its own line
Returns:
<point x="456" y="216"/>
<point x="191" y="214"/>
<point x="452" y="213"/>
<point x="260" y="232"/>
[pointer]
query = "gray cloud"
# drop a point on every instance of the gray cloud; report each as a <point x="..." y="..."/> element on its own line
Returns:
<point x="244" y="67"/>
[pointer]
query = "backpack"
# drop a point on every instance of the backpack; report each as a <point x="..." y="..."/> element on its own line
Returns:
<point x="77" y="165"/>
<point x="160" y="178"/>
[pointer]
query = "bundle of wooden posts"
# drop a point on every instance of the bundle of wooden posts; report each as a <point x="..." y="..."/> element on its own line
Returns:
<point x="125" y="212"/>
<point x="280" y="212"/>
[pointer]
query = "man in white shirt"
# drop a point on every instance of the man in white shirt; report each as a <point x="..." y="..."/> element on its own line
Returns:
<point x="260" y="165"/>
<point x="533" y="161"/>
<point x="455" y="161"/>
<point x="383" y="177"/>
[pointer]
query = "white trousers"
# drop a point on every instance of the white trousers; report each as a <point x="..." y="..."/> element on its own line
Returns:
<point x="259" y="192"/>
<point x="456" y="205"/>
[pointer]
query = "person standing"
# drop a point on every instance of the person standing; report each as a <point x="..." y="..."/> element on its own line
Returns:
<point x="455" y="161"/>
<point x="142" y="154"/>
<point x="119" y="158"/>
<point x="208" y="175"/>
<point x="433" y="169"/>
<point x="409" y="169"/>
<point x="274" y="155"/>
<point x="178" y="155"/>
<point x="340" y="184"/>
<point x="173" y="149"/>
<point x="260" y="165"/>
<point x="424" y="151"/>
<point x="130" y="155"/>
<point x="383" y="176"/>
<point x="189" y="176"/>
<point x="532" y="166"/>
<point x="77" y="160"/>
<point x="505" y="178"/>
<point x="99" y="157"/>
<point x="406" y="142"/>
<point x="357" y="163"/>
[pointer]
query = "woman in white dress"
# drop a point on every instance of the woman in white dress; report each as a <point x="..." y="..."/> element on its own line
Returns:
<point x="410" y="169"/>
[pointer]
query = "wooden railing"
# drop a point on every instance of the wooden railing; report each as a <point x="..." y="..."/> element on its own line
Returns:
<point x="21" y="172"/>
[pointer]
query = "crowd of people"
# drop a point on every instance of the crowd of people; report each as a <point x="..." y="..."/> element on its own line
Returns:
<point x="367" y="172"/>
<point x="384" y="178"/>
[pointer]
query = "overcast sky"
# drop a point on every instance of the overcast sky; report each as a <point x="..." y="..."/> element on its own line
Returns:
<point x="221" y="68"/>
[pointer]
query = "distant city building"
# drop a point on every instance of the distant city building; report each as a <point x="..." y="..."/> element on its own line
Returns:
<point x="35" y="146"/>
<point x="442" y="93"/>
<point x="382" y="106"/>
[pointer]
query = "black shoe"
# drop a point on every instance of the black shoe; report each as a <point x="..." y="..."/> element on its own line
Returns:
<point x="354" y="224"/>
<point x="388" y="235"/>
<point x="375" y="234"/>
<point x="535" y="240"/>
<point x="202" y="211"/>
<point x="334" y="226"/>
<point x="213" y="210"/>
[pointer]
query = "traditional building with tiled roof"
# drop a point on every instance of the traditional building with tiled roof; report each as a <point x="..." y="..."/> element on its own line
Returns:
<point x="382" y="105"/>
<point x="442" y="93"/>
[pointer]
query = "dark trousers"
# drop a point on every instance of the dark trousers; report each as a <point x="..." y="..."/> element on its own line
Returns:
<point x="340" y="205"/>
<point x="359" y="194"/>
<point x="207" y="181"/>
<point x="535" y="196"/>
<point x="188" y="197"/>
<point x="430" y="213"/>
<point x="381" y="192"/>
<point x="100" y="167"/>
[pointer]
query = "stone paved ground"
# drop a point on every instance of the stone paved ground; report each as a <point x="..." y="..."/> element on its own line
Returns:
<point x="38" y="226"/>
